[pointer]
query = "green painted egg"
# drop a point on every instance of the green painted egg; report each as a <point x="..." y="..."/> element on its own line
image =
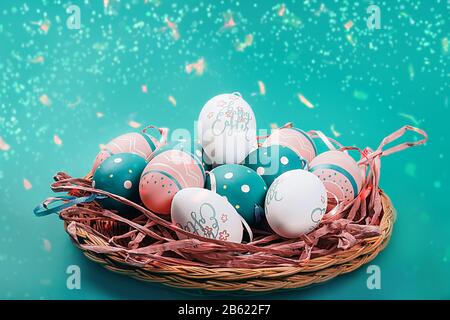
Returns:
<point x="120" y="175"/>
<point x="242" y="187"/>
<point x="271" y="162"/>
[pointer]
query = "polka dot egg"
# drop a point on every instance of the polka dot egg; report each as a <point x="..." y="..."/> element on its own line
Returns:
<point x="242" y="187"/>
<point x="340" y="174"/>
<point x="270" y="162"/>
<point x="137" y="143"/>
<point x="174" y="168"/>
<point x="119" y="174"/>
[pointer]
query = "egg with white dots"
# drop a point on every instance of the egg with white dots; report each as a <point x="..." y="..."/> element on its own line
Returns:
<point x="272" y="161"/>
<point x="120" y="175"/>
<point x="242" y="187"/>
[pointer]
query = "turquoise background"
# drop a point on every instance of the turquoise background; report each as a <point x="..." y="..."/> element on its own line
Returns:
<point x="366" y="88"/>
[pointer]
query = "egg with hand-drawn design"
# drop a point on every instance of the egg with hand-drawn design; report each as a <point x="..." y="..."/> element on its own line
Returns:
<point x="271" y="162"/>
<point x="205" y="213"/>
<point x="119" y="175"/>
<point x="340" y="174"/>
<point x="227" y="129"/>
<point x="297" y="140"/>
<point x="171" y="170"/>
<point x="242" y="187"/>
<point x="295" y="203"/>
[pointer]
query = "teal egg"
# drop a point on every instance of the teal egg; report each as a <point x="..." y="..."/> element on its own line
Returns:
<point x="271" y="162"/>
<point x="242" y="187"/>
<point x="120" y="175"/>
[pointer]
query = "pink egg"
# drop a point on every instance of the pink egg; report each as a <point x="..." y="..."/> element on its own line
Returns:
<point x="137" y="143"/>
<point x="166" y="174"/>
<point x="296" y="139"/>
<point x="340" y="174"/>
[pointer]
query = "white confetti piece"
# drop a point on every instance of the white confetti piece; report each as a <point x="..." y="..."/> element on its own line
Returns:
<point x="27" y="184"/>
<point x="134" y="124"/>
<point x="45" y="100"/>
<point x="47" y="245"/>
<point x="173" y="101"/>
<point x="144" y="88"/>
<point x="305" y="101"/>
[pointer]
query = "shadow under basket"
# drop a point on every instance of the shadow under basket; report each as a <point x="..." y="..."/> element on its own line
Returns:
<point x="244" y="280"/>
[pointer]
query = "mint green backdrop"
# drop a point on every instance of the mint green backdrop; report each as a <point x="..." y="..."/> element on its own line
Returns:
<point x="85" y="86"/>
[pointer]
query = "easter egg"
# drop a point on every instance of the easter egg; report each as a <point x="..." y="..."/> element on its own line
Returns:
<point x="138" y="143"/>
<point x="270" y="162"/>
<point x="340" y="174"/>
<point x="296" y="139"/>
<point x="227" y="129"/>
<point x="205" y="213"/>
<point x="295" y="203"/>
<point x="119" y="174"/>
<point x="167" y="173"/>
<point x="242" y="187"/>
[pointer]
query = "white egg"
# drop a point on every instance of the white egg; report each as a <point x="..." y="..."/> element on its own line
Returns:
<point x="295" y="203"/>
<point x="227" y="129"/>
<point x="205" y="213"/>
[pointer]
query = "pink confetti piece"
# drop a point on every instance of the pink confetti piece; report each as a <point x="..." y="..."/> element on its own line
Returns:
<point x="173" y="101"/>
<point x="305" y="101"/>
<point x="198" y="67"/>
<point x="57" y="140"/>
<point x="348" y="25"/>
<point x="241" y="46"/>
<point x="3" y="145"/>
<point x="335" y="133"/>
<point x="27" y="184"/>
<point x="144" y="88"/>
<point x="38" y="59"/>
<point x="134" y="124"/>
<point x="173" y="27"/>
<point x="230" y="23"/>
<point x="105" y="3"/>
<point x="282" y="10"/>
<point x="47" y="245"/>
<point x="262" y="88"/>
<point x="274" y="126"/>
<point x="99" y="114"/>
<point x="45" y="100"/>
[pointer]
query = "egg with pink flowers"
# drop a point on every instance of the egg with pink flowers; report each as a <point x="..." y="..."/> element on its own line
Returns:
<point x="167" y="173"/>
<point x="297" y="140"/>
<point x="340" y="174"/>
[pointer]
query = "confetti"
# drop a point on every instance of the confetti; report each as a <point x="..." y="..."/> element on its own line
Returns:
<point x="360" y="95"/>
<point x="99" y="114"/>
<point x="349" y="38"/>
<point x="57" y="140"/>
<point x="173" y="101"/>
<point x="444" y="43"/>
<point x="229" y="22"/>
<point x="27" y="184"/>
<point x="410" y="117"/>
<point x="282" y="10"/>
<point x="134" y="124"/>
<point x="3" y="145"/>
<point x="44" y="26"/>
<point x="37" y="59"/>
<point x="144" y="88"/>
<point x="305" y="101"/>
<point x="47" y="245"/>
<point x="74" y="104"/>
<point x="335" y="133"/>
<point x="198" y="67"/>
<point x="173" y="27"/>
<point x="105" y="3"/>
<point x="262" y="88"/>
<point x="273" y="126"/>
<point x="241" y="46"/>
<point x="348" y="25"/>
<point x="45" y="100"/>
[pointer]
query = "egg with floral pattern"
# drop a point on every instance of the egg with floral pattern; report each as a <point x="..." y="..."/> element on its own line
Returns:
<point x="242" y="187"/>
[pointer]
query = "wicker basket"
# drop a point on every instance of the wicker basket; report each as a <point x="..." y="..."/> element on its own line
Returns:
<point x="312" y="271"/>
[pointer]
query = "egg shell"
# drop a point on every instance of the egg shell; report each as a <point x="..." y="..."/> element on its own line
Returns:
<point x="296" y="139"/>
<point x="340" y="174"/>
<point x="242" y="187"/>
<point x="120" y="175"/>
<point x="272" y="161"/>
<point x="295" y="203"/>
<point x="141" y="144"/>
<point x="205" y="213"/>
<point x="227" y="129"/>
<point x="166" y="174"/>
